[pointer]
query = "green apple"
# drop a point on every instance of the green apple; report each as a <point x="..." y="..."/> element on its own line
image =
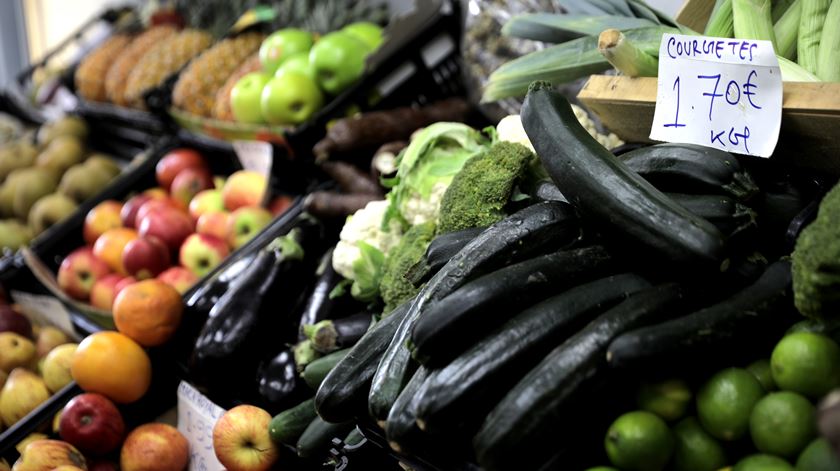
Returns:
<point x="280" y="45"/>
<point x="245" y="223"/>
<point x="290" y="98"/>
<point x="245" y="98"/>
<point x="297" y="63"/>
<point x="368" y="32"/>
<point x="339" y="60"/>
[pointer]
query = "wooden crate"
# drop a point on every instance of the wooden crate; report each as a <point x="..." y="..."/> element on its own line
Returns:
<point x="810" y="133"/>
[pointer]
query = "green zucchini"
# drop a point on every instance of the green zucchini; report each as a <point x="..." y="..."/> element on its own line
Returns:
<point x="758" y="314"/>
<point x="459" y="394"/>
<point x="343" y="392"/>
<point x="287" y="426"/>
<point x="612" y="195"/>
<point x="457" y="321"/>
<point x="728" y="215"/>
<point x="689" y="168"/>
<point x="402" y="419"/>
<point x="526" y="418"/>
<point x="315" y="372"/>
<point x="442" y="248"/>
<point x="354" y="439"/>
<point x="319" y="435"/>
<point x="536" y="229"/>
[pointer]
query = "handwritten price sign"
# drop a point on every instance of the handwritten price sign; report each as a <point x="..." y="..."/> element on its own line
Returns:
<point x="716" y="92"/>
<point x="197" y="416"/>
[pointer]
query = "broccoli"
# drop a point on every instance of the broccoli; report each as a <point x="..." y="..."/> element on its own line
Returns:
<point x="816" y="262"/>
<point x="393" y="286"/>
<point x="479" y="192"/>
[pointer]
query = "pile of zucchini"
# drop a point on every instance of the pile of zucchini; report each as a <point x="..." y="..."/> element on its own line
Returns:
<point x="650" y="261"/>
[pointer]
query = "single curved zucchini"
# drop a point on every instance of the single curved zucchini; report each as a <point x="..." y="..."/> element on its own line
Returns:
<point x="315" y="372"/>
<point x="457" y="321"/>
<point x="522" y="422"/>
<point x="604" y="188"/>
<point x="693" y="169"/>
<point x="548" y="191"/>
<point x="462" y="392"/>
<point x="759" y="312"/>
<point x="402" y="418"/>
<point x="287" y="426"/>
<point x="536" y="229"/>
<point x="318" y="436"/>
<point x="729" y="216"/>
<point x="343" y="392"/>
<point x="440" y="250"/>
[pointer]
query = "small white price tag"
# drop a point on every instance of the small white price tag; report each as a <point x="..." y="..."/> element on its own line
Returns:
<point x="197" y="416"/>
<point x="717" y="92"/>
<point x="257" y="156"/>
<point x="45" y="310"/>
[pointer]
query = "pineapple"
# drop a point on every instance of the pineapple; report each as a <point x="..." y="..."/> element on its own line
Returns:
<point x="90" y="76"/>
<point x="163" y="60"/>
<point x="221" y="109"/>
<point x="118" y="73"/>
<point x="196" y="89"/>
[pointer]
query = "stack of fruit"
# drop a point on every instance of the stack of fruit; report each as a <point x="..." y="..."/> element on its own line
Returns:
<point x="43" y="180"/>
<point x="177" y="232"/>
<point x="769" y="402"/>
<point x="297" y="71"/>
<point x="34" y="363"/>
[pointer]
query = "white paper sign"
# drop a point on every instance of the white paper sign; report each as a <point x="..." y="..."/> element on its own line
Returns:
<point x="45" y="310"/>
<point x="717" y="92"/>
<point x="257" y="156"/>
<point x="197" y="416"/>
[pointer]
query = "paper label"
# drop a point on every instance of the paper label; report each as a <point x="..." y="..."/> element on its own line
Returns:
<point x="197" y="416"/>
<point x="255" y="155"/>
<point x="717" y="92"/>
<point x="45" y="310"/>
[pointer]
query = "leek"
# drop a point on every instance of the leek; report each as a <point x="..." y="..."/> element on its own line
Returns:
<point x="793" y="72"/>
<point x="553" y="28"/>
<point x="787" y="29"/>
<point x="828" y="59"/>
<point x="720" y="24"/>
<point x="625" y="56"/>
<point x="752" y="20"/>
<point x="811" y="24"/>
<point x="780" y="7"/>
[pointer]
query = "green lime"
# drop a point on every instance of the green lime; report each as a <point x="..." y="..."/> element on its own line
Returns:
<point x="668" y="399"/>
<point x="761" y="370"/>
<point x="818" y="456"/>
<point x="639" y="441"/>
<point x="806" y="363"/>
<point x="762" y="463"/>
<point x="725" y="402"/>
<point x="695" y="449"/>
<point x="782" y="423"/>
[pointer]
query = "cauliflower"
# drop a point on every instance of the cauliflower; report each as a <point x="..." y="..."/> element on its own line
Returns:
<point x="419" y="210"/>
<point x="510" y="129"/>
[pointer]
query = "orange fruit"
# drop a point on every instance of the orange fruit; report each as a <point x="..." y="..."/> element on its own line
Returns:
<point x="109" y="247"/>
<point x="148" y="311"/>
<point x="111" y="364"/>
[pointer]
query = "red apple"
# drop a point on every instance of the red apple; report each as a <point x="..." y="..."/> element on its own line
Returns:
<point x="79" y="271"/>
<point x="173" y="162"/>
<point x="241" y="441"/>
<point x="127" y="281"/>
<point x="145" y="257"/>
<point x="206" y="201"/>
<point x="103" y="216"/>
<point x="214" y="224"/>
<point x="13" y="321"/>
<point x="104" y="291"/>
<point x="179" y="278"/>
<point x="280" y="204"/>
<point x="244" y="188"/>
<point x="245" y="223"/>
<point x="128" y="215"/>
<point x="157" y="447"/>
<point x="201" y="253"/>
<point x="188" y="183"/>
<point x="92" y="423"/>
<point x="153" y="205"/>
<point x="167" y="224"/>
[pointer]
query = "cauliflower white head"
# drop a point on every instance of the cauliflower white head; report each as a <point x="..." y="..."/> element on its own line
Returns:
<point x="364" y="226"/>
